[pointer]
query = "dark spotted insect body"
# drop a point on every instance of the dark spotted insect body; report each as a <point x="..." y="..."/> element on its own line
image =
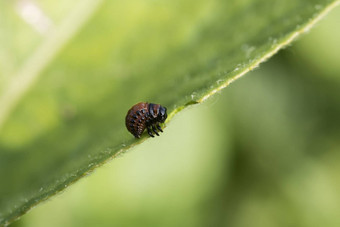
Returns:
<point x="143" y="116"/>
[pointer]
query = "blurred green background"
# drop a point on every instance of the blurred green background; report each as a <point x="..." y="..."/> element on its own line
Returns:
<point x="264" y="152"/>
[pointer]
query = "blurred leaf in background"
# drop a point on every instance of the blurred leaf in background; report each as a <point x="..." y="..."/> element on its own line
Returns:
<point x="266" y="152"/>
<point x="70" y="70"/>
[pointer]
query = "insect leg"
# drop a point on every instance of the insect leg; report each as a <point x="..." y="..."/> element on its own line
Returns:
<point x="149" y="132"/>
<point x="154" y="130"/>
<point x="159" y="128"/>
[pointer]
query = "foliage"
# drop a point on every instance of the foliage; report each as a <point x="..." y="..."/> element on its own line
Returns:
<point x="65" y="92"/>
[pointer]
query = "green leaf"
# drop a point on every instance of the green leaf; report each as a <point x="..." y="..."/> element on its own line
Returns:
<point x="67" y="83"/>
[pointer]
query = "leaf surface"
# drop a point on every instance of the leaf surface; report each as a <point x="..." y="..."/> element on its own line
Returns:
<point x="65" y="90"/>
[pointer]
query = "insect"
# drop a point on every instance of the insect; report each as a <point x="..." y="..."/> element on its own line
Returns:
<point x="145" y="115"/>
